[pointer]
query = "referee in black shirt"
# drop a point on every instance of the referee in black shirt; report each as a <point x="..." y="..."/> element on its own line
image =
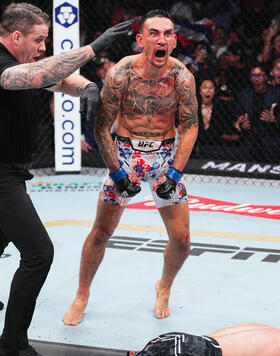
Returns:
<point x="23" y="32"/>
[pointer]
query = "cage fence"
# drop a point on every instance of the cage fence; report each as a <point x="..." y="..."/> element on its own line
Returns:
<point x="228" y="46"/>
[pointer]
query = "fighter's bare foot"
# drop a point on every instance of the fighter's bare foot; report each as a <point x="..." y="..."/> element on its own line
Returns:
<point x="161" y="306"/>
<point x="74" y="314"/>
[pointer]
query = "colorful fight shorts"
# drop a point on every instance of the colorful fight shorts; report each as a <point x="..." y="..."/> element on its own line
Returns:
<point x="181" y="344"/>
<point x="148" y="160"/>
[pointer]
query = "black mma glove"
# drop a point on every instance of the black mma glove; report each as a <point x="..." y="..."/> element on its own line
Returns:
<point x="1" y="305"/>
<point x="90" y="101"/>
<point x="110" y="35"/>
<point x="125" y="187"/>
<point x="168" y="188"/>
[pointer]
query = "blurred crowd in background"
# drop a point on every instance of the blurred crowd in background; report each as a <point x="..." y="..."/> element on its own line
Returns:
<point x="233" y="49"/>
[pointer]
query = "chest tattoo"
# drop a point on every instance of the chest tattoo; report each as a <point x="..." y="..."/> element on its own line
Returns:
<point x="150" y="97"/>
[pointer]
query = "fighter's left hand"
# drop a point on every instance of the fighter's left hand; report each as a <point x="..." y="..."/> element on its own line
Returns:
<point x="90" y="101"/>
<point x="166" y="185"/>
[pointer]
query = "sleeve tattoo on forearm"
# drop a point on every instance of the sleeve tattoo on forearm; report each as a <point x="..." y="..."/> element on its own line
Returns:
<point x="44" y="72"/>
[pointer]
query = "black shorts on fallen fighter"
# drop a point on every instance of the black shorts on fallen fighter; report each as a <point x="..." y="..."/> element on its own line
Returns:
<point x="181" y="344"/>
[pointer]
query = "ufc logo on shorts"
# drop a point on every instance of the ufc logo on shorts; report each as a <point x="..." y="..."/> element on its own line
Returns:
<point x="143" y="144"/>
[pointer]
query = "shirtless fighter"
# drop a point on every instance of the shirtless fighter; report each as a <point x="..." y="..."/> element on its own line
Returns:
<point x="245" y="339"/>
<point x="142" y="94"/>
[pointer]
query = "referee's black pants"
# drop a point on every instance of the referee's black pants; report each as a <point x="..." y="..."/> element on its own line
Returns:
<point x="21" y="225"/>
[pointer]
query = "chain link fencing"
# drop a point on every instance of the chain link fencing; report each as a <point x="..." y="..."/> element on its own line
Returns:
<point x="231" y="47"/>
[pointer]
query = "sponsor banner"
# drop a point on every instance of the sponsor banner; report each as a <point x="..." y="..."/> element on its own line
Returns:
<point x="213" y="205"/>
<point x="195" y="203"/>
<point x="50" y="186"/>
<point x="66" y="36"/>
<point x="234" y="169"/>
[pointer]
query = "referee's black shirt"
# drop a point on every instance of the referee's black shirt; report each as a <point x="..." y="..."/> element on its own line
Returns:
<point x="18" y="118"/>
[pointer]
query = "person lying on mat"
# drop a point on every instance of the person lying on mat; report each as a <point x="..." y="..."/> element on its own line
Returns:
<point x="244" y="339"/>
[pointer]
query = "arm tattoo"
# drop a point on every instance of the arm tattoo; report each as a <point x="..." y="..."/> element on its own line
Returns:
<point x="46" y="71"/>
<point x="114" y="87"/>
<point x="105" y="141"/>
<point x="188" y="103"/>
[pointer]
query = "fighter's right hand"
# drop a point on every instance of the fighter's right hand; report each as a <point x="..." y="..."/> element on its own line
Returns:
<point x="110" y="35"/>
<point x="125" y="186"/>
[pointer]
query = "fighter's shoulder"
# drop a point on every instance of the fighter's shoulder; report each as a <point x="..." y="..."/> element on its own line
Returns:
<point x="179" y="69"/>
<point x="122" y="67"/>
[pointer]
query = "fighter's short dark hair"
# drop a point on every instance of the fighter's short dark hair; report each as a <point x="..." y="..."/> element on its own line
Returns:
<point x="154" y="13"/>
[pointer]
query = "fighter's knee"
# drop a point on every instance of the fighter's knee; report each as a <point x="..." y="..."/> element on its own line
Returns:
<point x="182" y="239"/>
<point x="101" y="235"/>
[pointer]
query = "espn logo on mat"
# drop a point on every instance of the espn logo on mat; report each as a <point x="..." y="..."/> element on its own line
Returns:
<point x="197" y="249"/>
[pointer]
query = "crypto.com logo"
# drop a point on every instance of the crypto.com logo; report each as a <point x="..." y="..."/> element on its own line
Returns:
<point x="66" y="14"/>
